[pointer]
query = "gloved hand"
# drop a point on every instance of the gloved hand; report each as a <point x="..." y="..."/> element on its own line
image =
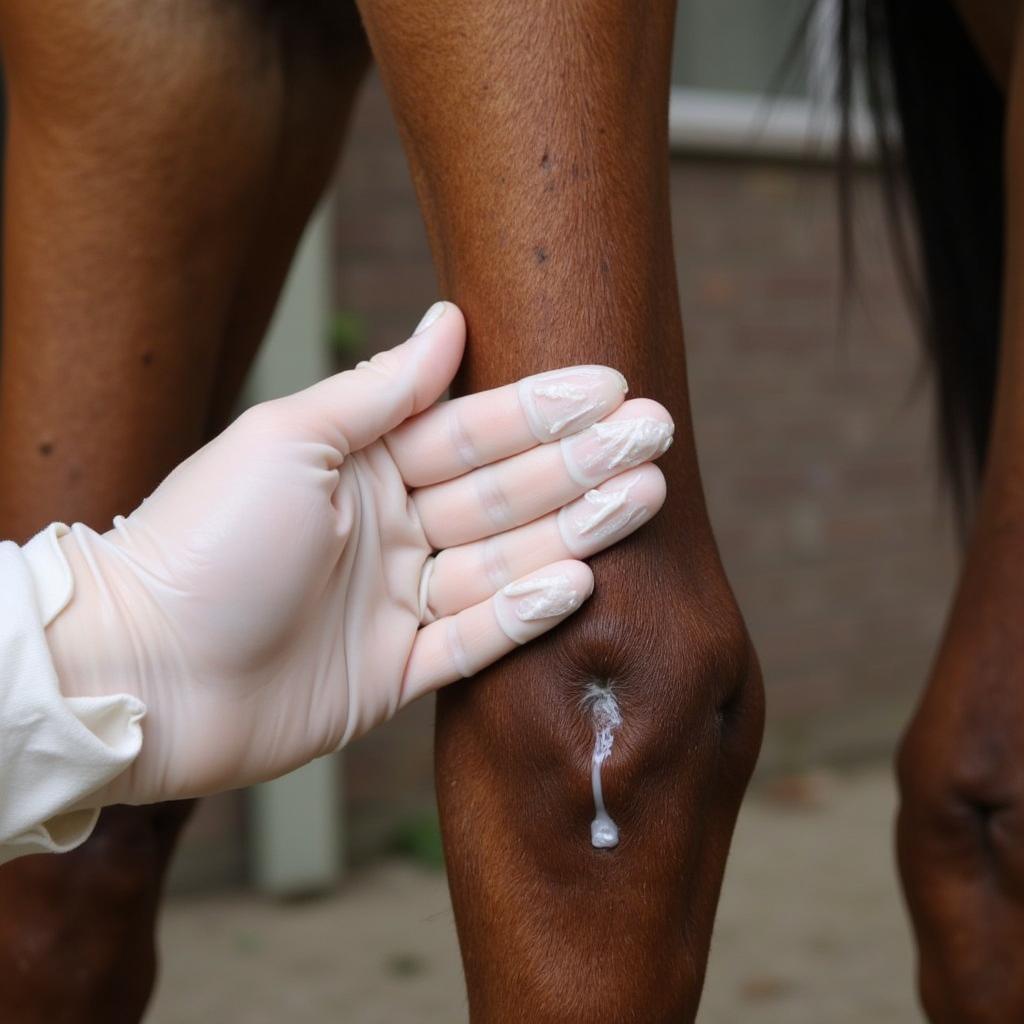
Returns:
<point x="268" y="602"/>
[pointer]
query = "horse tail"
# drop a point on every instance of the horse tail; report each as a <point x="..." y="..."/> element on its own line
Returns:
<point x="921" y="66"/>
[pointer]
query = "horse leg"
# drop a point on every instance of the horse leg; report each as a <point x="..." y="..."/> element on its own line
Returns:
<point x="537" y="138"/>
<point x="163" y="160"/>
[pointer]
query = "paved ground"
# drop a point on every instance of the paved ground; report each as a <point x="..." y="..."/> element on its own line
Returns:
<point x="811" y="931"/>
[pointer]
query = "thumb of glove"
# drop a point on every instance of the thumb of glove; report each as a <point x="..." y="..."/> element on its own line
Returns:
<point x="353" y="409"/>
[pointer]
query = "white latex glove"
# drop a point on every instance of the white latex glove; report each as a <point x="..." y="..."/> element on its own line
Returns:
<point x="267" y="603"/>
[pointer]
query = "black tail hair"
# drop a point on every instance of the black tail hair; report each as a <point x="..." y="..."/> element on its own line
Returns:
<point x="920" y="64"/>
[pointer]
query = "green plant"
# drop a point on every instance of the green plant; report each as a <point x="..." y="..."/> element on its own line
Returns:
<point x="346" y="337"/>
<point x="419" y="838"/>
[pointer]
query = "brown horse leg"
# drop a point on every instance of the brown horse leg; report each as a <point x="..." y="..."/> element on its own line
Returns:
<point x="325" y="59"/>
<point x="163" y="160"/>
<point x="537" y="136"/>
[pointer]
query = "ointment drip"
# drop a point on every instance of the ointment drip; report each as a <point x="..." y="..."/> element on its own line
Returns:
<point x="606" y="718"/>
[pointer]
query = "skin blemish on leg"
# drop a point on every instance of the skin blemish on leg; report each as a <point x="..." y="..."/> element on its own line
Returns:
<point x="147" y="358"/>
<point x="46" y="448"/>
<point x="545" y="161"/>
<point x="540" y="254"/>
<point x="605" y="717"/>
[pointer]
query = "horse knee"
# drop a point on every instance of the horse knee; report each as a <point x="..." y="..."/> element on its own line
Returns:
<point x="647" y="707"/>
<point x="687" y="686"/>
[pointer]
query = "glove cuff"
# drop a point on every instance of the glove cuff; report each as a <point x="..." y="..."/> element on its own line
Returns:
<point x="57" y="750"/>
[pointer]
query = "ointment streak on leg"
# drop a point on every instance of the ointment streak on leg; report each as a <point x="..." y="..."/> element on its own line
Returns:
<point x="603" y="708"/>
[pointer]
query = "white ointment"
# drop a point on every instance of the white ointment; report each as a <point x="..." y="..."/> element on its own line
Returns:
<point x="606" y="448"/>
<point x="562" y="401"/>
<point x="605" y="717"/>
<point x="598" y="516"/>
<point x="539" y="598"/>
<point x="569" y="403"/>
<point x="544" y="597"/>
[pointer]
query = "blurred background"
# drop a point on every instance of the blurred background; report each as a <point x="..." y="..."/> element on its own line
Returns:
<point x="322" y="897"/>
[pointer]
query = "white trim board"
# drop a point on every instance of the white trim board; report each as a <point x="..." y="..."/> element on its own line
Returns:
<point x="707" y="121"/>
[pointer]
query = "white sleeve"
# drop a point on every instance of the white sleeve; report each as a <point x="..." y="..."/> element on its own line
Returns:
<point x="54" y="750"/>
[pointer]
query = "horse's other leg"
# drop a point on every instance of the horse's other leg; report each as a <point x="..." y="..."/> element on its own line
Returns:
<point x="163" y="159"/>
<point x="324" y="59"/>
<point x="538" y="143"/>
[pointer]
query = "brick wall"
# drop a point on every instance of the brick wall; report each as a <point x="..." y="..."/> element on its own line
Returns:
<point x="815" y="450"/>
